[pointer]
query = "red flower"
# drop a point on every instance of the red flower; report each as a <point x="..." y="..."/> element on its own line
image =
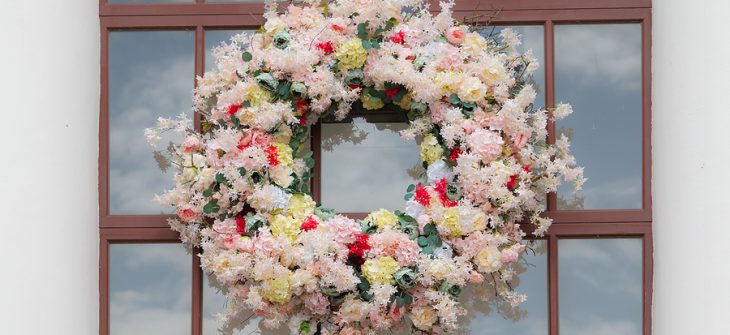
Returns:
<point x="512" y="183"/>
<point x="338" y="28"/>
<point x="302" y="105"/>
<point x="309" y="224"/>
<point x="232" y="109"/>
<point x="455" y="152"/>
<point x="399" y="37"/>
<point x="391" y="93"/>
<point x="422" y="196"/>
<point x="440" y="188"/>
<point x="241" y="225"/>
<point x="303" y="120"/>
<point x="271" y="155"/>
<point x="360" y="245"/>
<point x="526" y="168"/>
<point x="326" y="47"/>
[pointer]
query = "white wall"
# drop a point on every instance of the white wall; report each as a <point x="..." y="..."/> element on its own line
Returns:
<point x="49" y="88"/>
<point x="691" y="156"/>
<point x="50" y="93"/>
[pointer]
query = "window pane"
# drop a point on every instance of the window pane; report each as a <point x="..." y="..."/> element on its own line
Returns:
<point x="150" y="289"/>
<point x="214" y="38"/>
<point x="148" y="1"/>
<point x="533" y="38"/>
<point x="600" y="285"/>
<point x="530" y="318"/>
<point x="214" y="302"/>
<point x="598" y="71"/>
<point x="150" y="75"/>
<point x="363" y="159"/>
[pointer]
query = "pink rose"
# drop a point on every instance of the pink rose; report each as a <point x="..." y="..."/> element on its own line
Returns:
<point x="186" y="213"/>
<point x="190" y="144"/>
<point x="455" y="35"/>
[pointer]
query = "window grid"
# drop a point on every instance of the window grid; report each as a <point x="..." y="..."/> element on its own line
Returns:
<point x="201" y="16"/>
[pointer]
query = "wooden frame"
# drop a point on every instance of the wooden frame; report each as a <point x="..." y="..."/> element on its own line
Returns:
<point x="201" y="16"/>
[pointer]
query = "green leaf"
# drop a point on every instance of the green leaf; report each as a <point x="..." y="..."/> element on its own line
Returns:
<point x="408" y="196"/>
<point x="411" y="188"/>
<point x="247" y="56"/>
<point x="208" y="192"/>
<point x="211" y="207"/>
<point x="422" y="241"/>
<point x="220" y="178"/>
<point x="454" y="99"/>
<point x="362" y="30"/>
<point x="246" y="104"/>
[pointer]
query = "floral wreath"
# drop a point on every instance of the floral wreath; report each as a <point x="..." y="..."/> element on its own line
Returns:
<point x="242" y="187"/>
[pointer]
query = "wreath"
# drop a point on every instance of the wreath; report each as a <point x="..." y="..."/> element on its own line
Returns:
<point x="242" y="187"/>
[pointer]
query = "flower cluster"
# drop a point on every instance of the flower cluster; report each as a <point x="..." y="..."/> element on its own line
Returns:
<point x="242" y="186"/>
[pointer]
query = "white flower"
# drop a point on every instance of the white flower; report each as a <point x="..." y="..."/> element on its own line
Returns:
<point x="562" y="110"/>
<point x="439" y="170"/>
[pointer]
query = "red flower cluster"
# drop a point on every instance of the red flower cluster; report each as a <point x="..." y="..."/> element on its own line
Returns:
<point x="422" y="196"/>
<point x="391" y="93"/>
<point x="440" y="188"/>
<point x="338" y="28"/>
<point x="326" y="47"/>
<point x="232" y="109"/>
<point x="240" y="225"/>
<point x="309" y="224"/>
<point x="271" y="155"/>
<point x="512" y="183"/>
<point x="399" y="38"/>
<point x="360" y="245"/>
<point x="455" y="153"/>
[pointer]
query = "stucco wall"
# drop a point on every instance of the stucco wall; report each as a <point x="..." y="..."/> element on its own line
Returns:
<point x="49" y="88"/>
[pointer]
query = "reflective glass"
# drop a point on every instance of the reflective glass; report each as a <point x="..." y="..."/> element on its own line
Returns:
<point x="598" y="71"/>
<point x="151" y="74"/>
<point x="149" y="289"/>
<point x="600" y="286"/>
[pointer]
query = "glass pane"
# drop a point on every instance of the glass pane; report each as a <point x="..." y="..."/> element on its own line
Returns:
<point x="214" y="38"/>
<point x="150" y="289"/>
<point x="148" y="1"/>
<point x="362" y="159"/>
<point x="530" y="318"/>
<point x="533" y="38"/>
<point x="214" y="302"/>
<point x="600" y="286"/>
<point x="598" y="71"/>
<point x="150" y="75"/>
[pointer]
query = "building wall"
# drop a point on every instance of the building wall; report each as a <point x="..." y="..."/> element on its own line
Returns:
<point x="50" y="99"/>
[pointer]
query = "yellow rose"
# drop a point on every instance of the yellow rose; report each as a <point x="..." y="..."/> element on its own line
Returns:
<point x="277" y="290"/>
<point x="351" y="54"/>
<point x="431" y="150"/>
<point x="381" y="270"/>
<point x="450" y="221"/>
<point x="488" y="259"/>
<point x="301" y="206"/>
<point x="383" y="219"/>
<point x="371" y="102"/>
<point x="423" y="317"/>
<point x="256" y="95"/>
<point x="284" y="226"/>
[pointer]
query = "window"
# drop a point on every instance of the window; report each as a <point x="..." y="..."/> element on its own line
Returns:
<point x="592" y="274"/>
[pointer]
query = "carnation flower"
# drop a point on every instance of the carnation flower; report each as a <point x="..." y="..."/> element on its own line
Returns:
<point x="430" y="149"/>
<point x="380" y="270"/>
<point x="351" y="54"/>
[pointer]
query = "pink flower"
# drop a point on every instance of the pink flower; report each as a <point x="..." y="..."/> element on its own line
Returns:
<point x="190" y="144"/>
<point x="487" y="144"/>
<point x="455" y="35"/>
<point x="476" y="277"/>
<point x="317" y="303"/>
<point x="187" y="213"/>
<point x="510" y="255"/>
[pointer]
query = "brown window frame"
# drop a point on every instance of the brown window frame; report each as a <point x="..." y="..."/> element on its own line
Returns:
<point x="201" y="16"/>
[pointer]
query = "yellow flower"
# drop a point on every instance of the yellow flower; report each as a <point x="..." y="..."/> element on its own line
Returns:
<point x="472" y="89"/>
<point x="370" y="102"/>
<point x="431" y="150"/>
<point x="449" y="82"/>
<point x="284" y="154"/>
<point x="284" y="226"/>
<point x="488" y="259"/>
<point x="381" y="270"/>
<point x="383" y="219"/>
<point x="301" y="206"/>
<point x="277" y="290"/>
<point x="351" y="54"/>
<point x="423" y="317"/>
<point x="474" y="43"/>
<point x="450" y="221"/>
<point x="256" y="95"/>
<point x="405" y="102"/>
